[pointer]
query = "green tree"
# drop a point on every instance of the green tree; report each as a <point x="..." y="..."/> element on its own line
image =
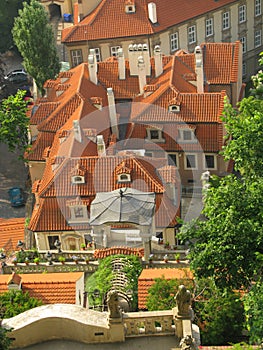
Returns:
<point x="224" y="245"/>
<point x="8" y="11"/>
<point x="14" y="122"/>
<point x="253" y="304"/>
<point x="5" y="340"/>
<point x="161" y="294"/>
<point x="219" y="313"/>
<point x="13" y="303"/>
<point x="35" y="41"/>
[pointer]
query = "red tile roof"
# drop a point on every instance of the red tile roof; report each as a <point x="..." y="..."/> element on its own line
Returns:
<point x="109" y="19"/>
<point x="11" y="230"/>
<point x="51" y="288"/>
<point x="148" y="276"/>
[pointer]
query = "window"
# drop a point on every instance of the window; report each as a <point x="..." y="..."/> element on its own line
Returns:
<point x="174" y="108"/>
<point x="124" y="178"/>
<point x="155" y="135"/>
<point x="244" y="69"/>
<point x="191" y="35"/>
<point x="242" y="17"/>
<point x="97" y="53"/>
<point x="78" y="179"/>
<point x="174" y="42"/>
<point x="226" y="20"/>
<point x="76" y="57"/>
<point x="257" y="39"/>
<point x="190" y="161"/>
<point x="51" y="241"/>
<point x="209" y="30"/>
<point x="187" y="135"/>
<point x="244" y="44"/>
<point x="257" y="7"/>
<point x="129" y="8"/>
<point x="172" y="159"/>
<point x="114" y="50"/>
<point x="209" y="161"/>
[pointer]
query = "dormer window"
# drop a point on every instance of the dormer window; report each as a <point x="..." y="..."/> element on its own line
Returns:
<point x="155" y="135"/>
<point x="129" y="7"/>
<point x="174" y="108"/>
<point x="124" y="178"/>
<point x="78" y="211"/>
<point x="78" y="179"/>
<point x="187" y="135"/>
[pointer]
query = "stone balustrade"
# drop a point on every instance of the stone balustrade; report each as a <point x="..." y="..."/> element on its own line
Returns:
<point x="148" y="323"/>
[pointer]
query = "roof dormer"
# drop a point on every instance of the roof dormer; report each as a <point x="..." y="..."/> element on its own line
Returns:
<point x="129" y="6"/>
<point x="123" y="172"/>
<point x="78" y="174"/>
<point x="174" y="108"/>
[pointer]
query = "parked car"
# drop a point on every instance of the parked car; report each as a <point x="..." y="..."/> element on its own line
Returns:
<point x="17" y="76"/>
<point x="16" y="196"/>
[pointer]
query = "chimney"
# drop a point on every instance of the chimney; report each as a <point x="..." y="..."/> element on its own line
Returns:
<point x="199" y="69"/>
<point x="133" y="55"/>
<point x="146" y="57"/>
<point x="141" y="74"/>
<point x="92" y="64"/>
<point x="76" y="17"/>
<point x="152" y="13"/>
<point x="121" y="64"/>
<point x="158" y="61"/>
<point x="77" y="131"/>
<point x="101" y="146"/>
<point x="112" y="112"/>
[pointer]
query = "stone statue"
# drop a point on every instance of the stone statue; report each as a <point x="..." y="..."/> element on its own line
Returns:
<point x="183" y="300"/>
<point x="187" y="343"/>
<point x="113" y="304"/>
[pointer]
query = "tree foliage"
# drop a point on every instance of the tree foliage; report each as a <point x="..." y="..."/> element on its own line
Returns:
<point x="219" y="313"/>
<point x="5" y="340"/>
<point x="253" y="303"/>
<point x="14" y="122"/>
<point x="35" y="41"/>
<point x="13" y="303"/>
<point x="8" y="11"/>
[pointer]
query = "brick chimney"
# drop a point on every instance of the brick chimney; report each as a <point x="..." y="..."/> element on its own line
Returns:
<point x="199" y="69"/>
<point x="141" y="74"/>
<point x="121" y="64"/>
<point x="112" y="112"/>
<point x="158" y="61"/>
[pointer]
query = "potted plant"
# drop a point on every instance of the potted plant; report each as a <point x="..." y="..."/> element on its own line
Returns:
<point x="36" y="260"/>
<point x="165" y="258"/>
<point x="15" y="261"/>
<point x="75" y="259"/>
<point x="86" y="259"/>
<point x="167" y="244"/>
<point x="27" y="260"/>
<point x="83" y="246"/>
<point x="177" y="257"/>
<point x="62" y="259"/>
<point x="150" y="259"/>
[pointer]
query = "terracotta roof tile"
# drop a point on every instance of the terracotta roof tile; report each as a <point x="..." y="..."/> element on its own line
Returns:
<point x="109" y="19"/>
<point x="11" y="230"/>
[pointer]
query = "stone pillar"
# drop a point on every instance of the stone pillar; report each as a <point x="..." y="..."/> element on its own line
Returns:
<point x="145" y="233"/>
<point x="98" y="236"/>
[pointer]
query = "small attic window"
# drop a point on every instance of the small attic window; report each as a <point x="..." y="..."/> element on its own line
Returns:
<point x="130" y="8"/>
<point x="124" y="178"/>
<point x="174" y="108"/>
<point x="78" y="179"/>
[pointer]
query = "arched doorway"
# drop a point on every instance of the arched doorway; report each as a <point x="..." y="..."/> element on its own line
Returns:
<point x="54" y="11"/>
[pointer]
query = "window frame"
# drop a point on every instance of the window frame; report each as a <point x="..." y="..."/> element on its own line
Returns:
<point x="170" y="156"/>
<point x="182" y="135"/>
<point x="76" y="59"/>
<point x="205" y="162"/>
<point x="256" y="38"/>
<point x="225" y="20"/>
<point x="51" y="240"/>
<point x="258" y="10"/>
<point x="174" y="42"/>
<point x="243" y="41"/>
<point x="97" y="54"/>
<point x="244" y="69"/>
<point x="114" y="50"/>
<point x="242" y="13"/>
<point x="191" y="31"/>
<point x="127" y="179"/>
<point x="209" y="27"/>
<point x="186" y="161"/>
<point x="160" y="135"/>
